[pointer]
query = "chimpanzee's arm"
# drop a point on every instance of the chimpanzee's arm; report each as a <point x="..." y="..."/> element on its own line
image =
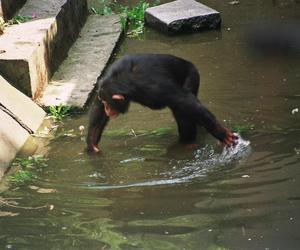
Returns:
<point x="98" y="120"/>
<point x="209" y="121"/>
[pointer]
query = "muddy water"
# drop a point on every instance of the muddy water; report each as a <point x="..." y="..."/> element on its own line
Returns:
<point x="146" y="192"/>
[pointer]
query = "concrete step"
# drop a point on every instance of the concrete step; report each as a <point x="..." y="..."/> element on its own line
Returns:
<point x="9" y="7"/>
<point x="31" y="52"/>
<point x="20" y="117"/>
<point x="182" y="16"/>
<point x="74" y="81"/>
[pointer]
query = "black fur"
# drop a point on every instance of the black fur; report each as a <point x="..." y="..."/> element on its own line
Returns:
<point x="156" y="81"/>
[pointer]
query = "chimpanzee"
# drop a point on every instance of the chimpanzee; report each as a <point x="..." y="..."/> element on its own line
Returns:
<point x="155" y="81"/>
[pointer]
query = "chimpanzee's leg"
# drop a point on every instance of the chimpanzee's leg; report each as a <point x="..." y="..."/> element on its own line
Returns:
<point x="192" y="81"/>
<point x="187" y="126"/>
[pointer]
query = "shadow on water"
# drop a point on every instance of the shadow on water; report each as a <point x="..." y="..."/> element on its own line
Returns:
<point x="144" y="191"/>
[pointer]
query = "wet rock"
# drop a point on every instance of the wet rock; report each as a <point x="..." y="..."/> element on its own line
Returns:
<point x="182" y="16"/>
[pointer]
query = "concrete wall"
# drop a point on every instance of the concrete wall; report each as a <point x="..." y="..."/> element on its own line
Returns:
<point x="19" y="117"/>
<point x="32" y="51"/>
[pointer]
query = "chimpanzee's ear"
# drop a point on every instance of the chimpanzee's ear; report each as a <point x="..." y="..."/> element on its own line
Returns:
<point x="118" y="97"/>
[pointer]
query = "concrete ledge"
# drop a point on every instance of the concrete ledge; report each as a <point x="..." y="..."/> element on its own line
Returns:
<point x="70" y="15"/>
<point x="12" y="138"/>
<point x="39" y="46"/>
<point x="26" y="58"/>
<point x="74" y="81"/>
<point x="20" y="105"/>
<point x="19" y="117"/>
<point x="9" y="7"/>
<point x="182" y="16"/>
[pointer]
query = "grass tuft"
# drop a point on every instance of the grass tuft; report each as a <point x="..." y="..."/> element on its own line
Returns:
<point x="60" y="112"/>
<point x="135" y="15"/>
<point x="25" y="165"/>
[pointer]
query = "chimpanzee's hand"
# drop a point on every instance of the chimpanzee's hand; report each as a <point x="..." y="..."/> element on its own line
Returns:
<point x="93" y="149"/>
<point x="230" y="139"/>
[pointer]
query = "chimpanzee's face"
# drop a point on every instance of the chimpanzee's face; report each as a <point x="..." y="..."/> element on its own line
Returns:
<point x="113" y="103"/>
<point x="109" y="111"/>
<point x="107" y="101"/>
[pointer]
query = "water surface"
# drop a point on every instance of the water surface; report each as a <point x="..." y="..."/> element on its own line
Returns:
<point x="147" y="192"/>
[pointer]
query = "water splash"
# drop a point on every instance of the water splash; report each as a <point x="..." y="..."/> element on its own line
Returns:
<point x="205" y="160"/>
<point x="241" y="150"/>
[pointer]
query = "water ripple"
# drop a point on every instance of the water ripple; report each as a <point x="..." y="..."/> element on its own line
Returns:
<point x="205" y="160"/>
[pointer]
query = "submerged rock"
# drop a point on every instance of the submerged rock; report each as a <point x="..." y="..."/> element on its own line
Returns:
<point x="182" y="16"/>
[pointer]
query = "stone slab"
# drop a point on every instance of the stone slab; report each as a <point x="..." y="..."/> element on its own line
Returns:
<point x="74" y="81"/>
<point x="19" y="117"/>
<point x="70" y="15"/>
<point x="31" y="51"/>
<point x="25" y="55"/>
<point x="12" y="138"/>
<point x="9" y="7"/>
<point x="182" y="16"/>
<point x="23" y="108"/>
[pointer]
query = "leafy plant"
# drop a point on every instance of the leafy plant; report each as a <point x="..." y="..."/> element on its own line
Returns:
<point x="123" y="21"/>
<point x="24" y="175"/>
<point x="19" y="19"/>
<point x="105" y="10"/>
<point x="161" y="131"/>
<point x="242" y="129"/>
<point x="135" y="15"/>
<point x="21" y="177"/>
<point x="15" y="20"/>
<point x="36" y="161"/>
<point x="59" y="112"/>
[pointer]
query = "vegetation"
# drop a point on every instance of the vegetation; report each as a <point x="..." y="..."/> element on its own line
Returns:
<point x="242" y="129"/>
<point x="25" y="165"/>
<point x="159" y="132"/>
<point x="21" y="177"/>
<point x="15" y="20"/>
<point x="135" y="15"/>
<point x="19" y="19"/>
<point x="104" y="10"/>
<point x="36" y="161"/>
<point x="59" y="112"/>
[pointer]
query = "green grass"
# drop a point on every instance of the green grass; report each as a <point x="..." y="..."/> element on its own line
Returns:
<point x="21" y="177"/>
<point x="25" y="166"/>
<point x="135" y="15"/>
<point x="242" y="129"/>
<point x="159" y="132"/>
<point x="15" y="20"/>
<point x="36" y="161"/>
<point x="59" y="112"/>
<point x="104" y="10"/>
<point x="19" y="19"/>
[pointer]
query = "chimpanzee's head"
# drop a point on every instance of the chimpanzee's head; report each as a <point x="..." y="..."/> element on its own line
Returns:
<point x="114" y="103"/>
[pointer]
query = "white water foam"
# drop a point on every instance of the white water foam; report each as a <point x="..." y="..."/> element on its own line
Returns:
<point x="206" y="160"/>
